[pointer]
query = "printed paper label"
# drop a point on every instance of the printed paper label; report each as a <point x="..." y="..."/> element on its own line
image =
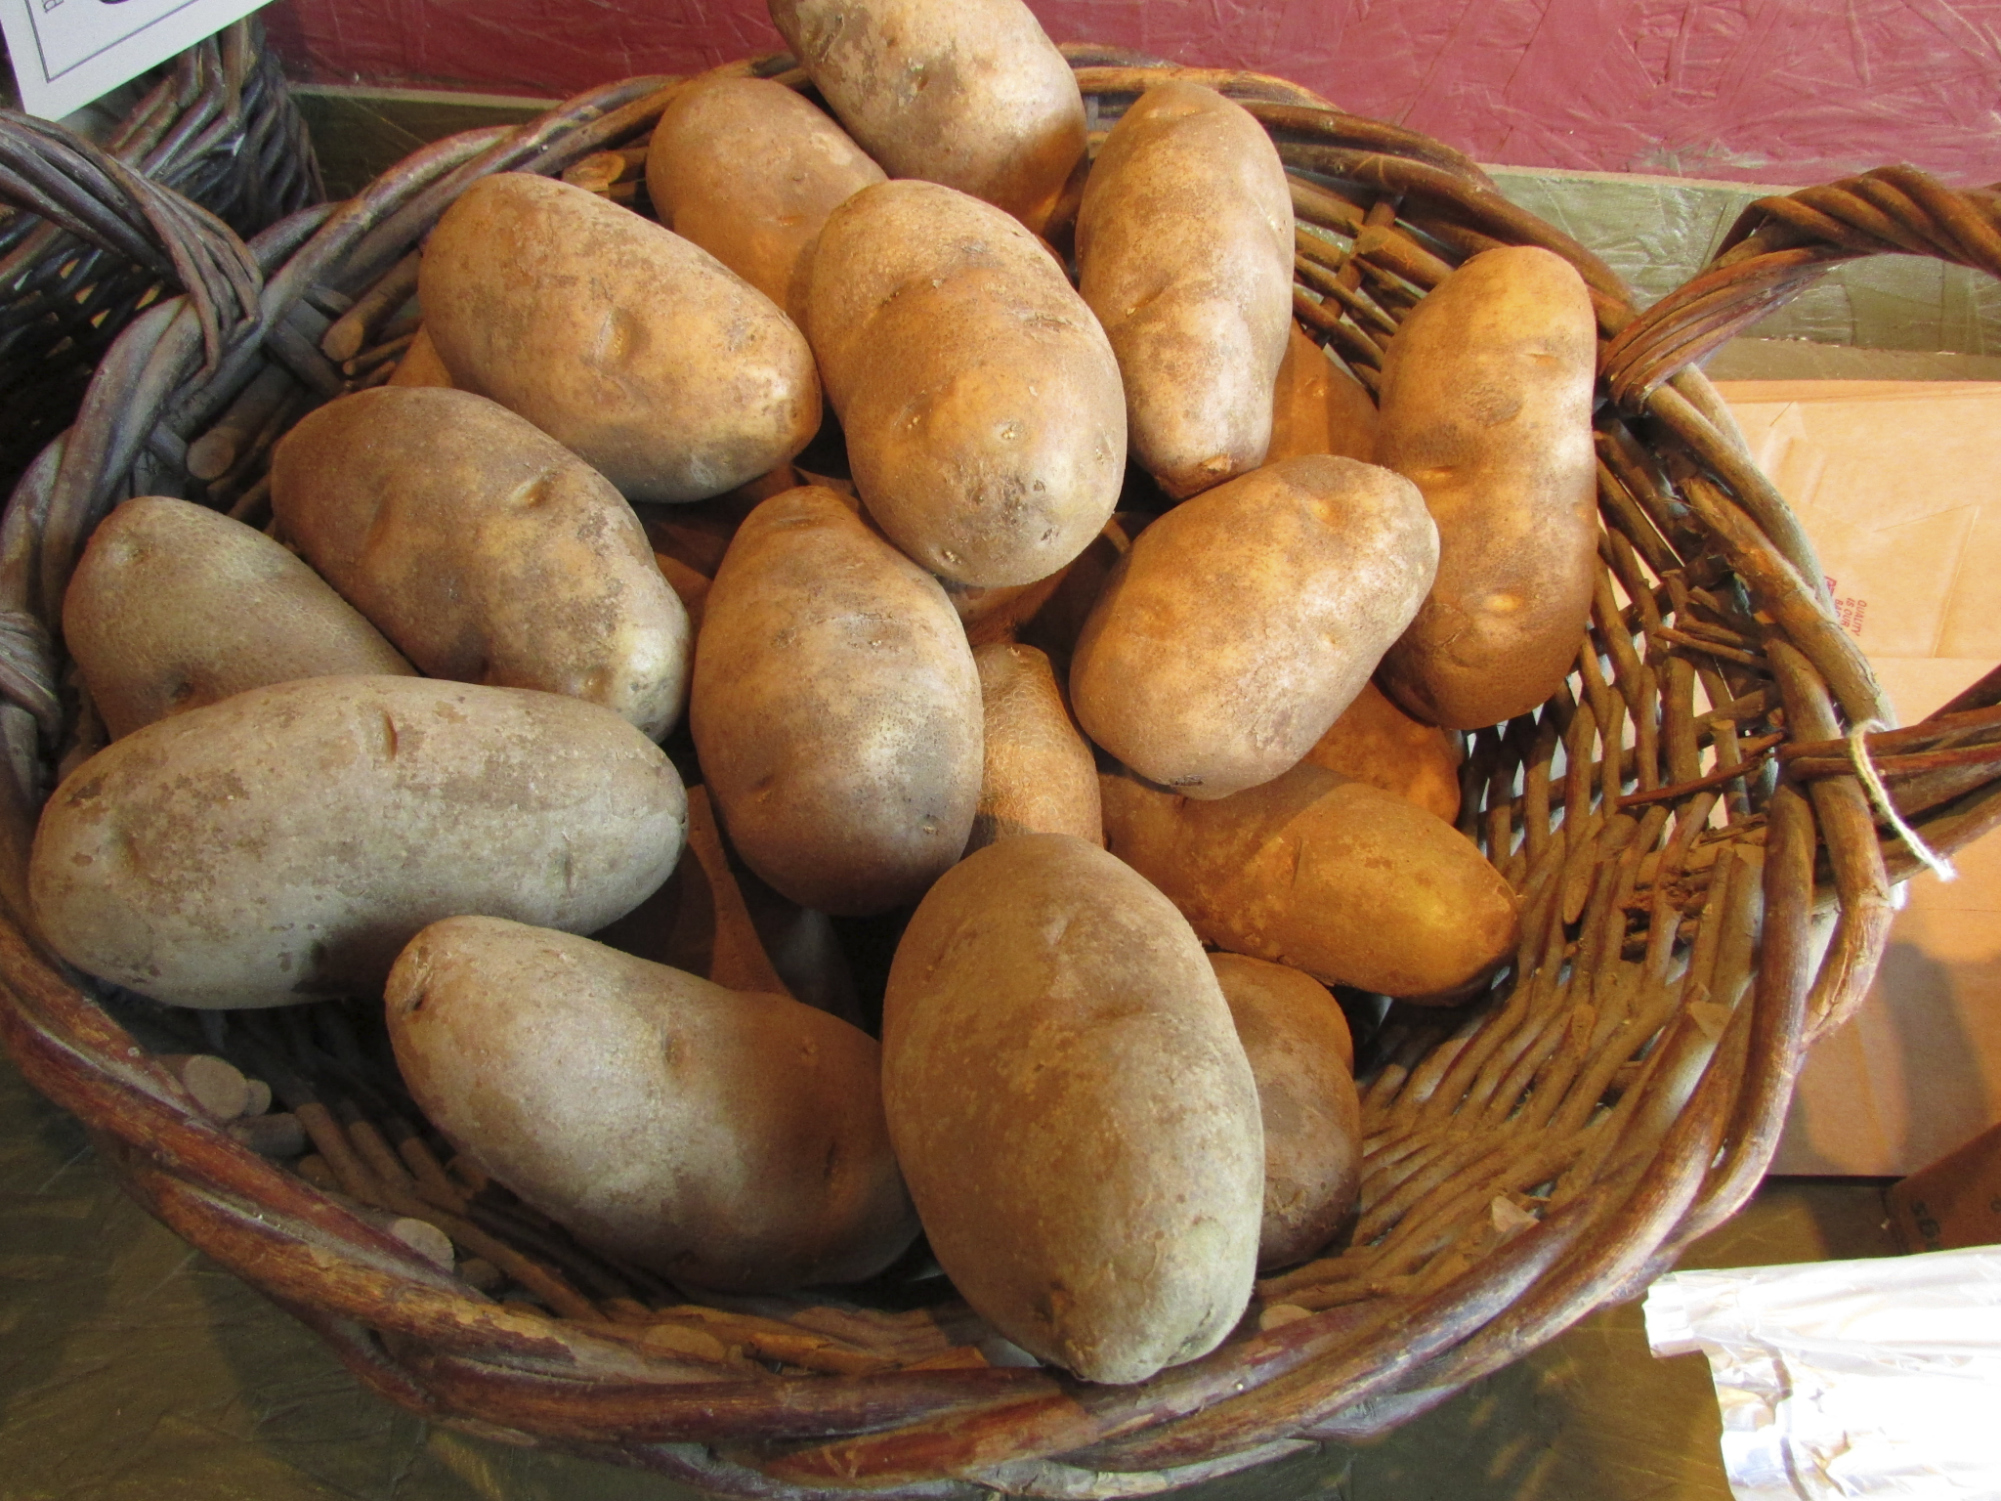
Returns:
<point x="68" y="52"/>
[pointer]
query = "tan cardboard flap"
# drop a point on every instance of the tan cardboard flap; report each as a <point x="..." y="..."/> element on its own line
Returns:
<point x="1897" y="484"/>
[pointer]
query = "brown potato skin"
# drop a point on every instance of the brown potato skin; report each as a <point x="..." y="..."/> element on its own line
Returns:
<point x="749" y="171"/>
<point x="1376" y="742"/>
<point x="1317" y="407"/>
<point x="973" y="95"/>
<point x="1335" y="877"/>
<point x="484" y="549"/>
<point x="1073" y="1112"/>
<point x="640" y="352"/>
<point x="724" y="1139"/>
<point x="173" y="606"/>
<point x="1184" y="251"/>
<point x="1244" y="621"/>
<point x="1303" y="1058"/>
<point x="1486" y="404"/>
<point x="836" y="709"/>
<point x="283" y="844"/>
<point x="420" y="365"/>
<point x="1040" y="776"/>
<point x="992" y="456"/>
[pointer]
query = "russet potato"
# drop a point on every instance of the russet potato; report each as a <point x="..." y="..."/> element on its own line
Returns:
<point x="1184" y="251"/>
<point x="1376" y="742"/>
<point x="836" y="709"/>
<point x="749" y="171"/>
<point x="723" y="1139"/>
<point x="1486" y="405"/>
<point x="1317" y="407"/>
<point x="1245" y="620"/>
<point x="973" y="95"/>
<point x="484" y="549"/>
<point x="639" y="351"/>
<point x="281" y="845"/>
<point x="1040" y="776"/>
<point x="1074" y="1114"/>
<point x="1303" y="1058"/>
<point x="1347" y="882"/>
<point x="173" y="606"/>
<point x="985" y="421"/>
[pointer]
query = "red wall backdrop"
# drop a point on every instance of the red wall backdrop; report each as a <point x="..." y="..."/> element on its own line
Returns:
<point x="1762" y="90"/>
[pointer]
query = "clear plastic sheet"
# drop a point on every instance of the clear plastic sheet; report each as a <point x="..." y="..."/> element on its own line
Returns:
<point x="1877" y="1378"/>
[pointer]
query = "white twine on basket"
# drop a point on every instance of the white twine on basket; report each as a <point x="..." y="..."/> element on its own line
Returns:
<point x="1866" y="769"/>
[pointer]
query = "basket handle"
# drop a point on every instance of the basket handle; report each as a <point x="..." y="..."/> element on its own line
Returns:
<point x="1781" y="245"/>
<point x="51" y="171"/>
<point x="1941" y="772"/>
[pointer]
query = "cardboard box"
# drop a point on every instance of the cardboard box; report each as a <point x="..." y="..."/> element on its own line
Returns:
<point x="1953" y="1203"/>
<point x="1897" y="485"/>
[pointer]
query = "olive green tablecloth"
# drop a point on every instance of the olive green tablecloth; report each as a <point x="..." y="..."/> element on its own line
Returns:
<point x="133" y="1369"/>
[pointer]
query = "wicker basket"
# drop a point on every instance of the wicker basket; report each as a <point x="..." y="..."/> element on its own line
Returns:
<point x="1684" y="823"/>
<point x="218" y="128"/>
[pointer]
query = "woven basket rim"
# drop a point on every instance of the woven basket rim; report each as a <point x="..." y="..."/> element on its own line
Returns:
<point x="414" y="1334"/>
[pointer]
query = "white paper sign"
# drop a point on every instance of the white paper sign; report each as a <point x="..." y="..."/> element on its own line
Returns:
<point x="68" y="52"/>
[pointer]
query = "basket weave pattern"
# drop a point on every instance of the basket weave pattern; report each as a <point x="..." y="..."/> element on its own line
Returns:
<point x="220" y="130"/>
<point x="1684" y="825"/>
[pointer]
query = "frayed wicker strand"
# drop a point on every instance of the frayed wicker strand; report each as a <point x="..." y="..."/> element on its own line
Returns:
<point x="1879" y="797"/>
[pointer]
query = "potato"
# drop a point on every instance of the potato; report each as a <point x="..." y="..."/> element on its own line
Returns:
<point x="714" y="918"/>
<point x="749" y="171"/>
<point x="722" y="1139"/>
<point x="1184" y="251"/>
<point x="1317" y="407"/>
<point x="993" y="453"/>
<point x="1245" y="620"/>
<point x="1297" y="1041"/>
<point x="420" y="365"/>
<point x="697" y="921"/>
<point x="1345" y="881"/>
<point x="1057" y="623"/>
<point x="173" y="606"/>
<point x="1486" y="398"/>
<point x="973" y="95"/>
<point x="283" y="844"/>
<point x="836" y="709"/>
<point x="1376" y="742"/>
<point x="1040" y="776"/>
<point x="484" y="549"/>
<point x="1072" y="1109"/>
<point x="647" y="357"/>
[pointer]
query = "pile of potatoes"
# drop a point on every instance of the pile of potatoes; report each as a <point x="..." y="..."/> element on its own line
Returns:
<point x="1060" y="630"/>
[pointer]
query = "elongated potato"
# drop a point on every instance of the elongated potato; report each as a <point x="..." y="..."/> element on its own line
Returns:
<point x="716" y="919"/>
<point x="1317" y="407"/>
<point x="283" y="844"/>
<point x="484" y="549"/>
<point x="973" y="95"/>
<point x="1040" y="777"/>
<point x="723" y="1139"/>
<point x="1073" y="1112"/>
<point x="420" y="365"/>
<point x="1486" y="403"/>
<point x="1245" y="620"/>
<point x="174" y="606"/>
<point x="749" y="171"/>
<point x="640" y="352"/>
<point x="1376" y="742"/>
<point x="1303" y="1058"/>
<point x="1184" y="251"/>
<point x="991" y="455"/>
<point x="836" y="709"/>
<point x="1343" y="880"/>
